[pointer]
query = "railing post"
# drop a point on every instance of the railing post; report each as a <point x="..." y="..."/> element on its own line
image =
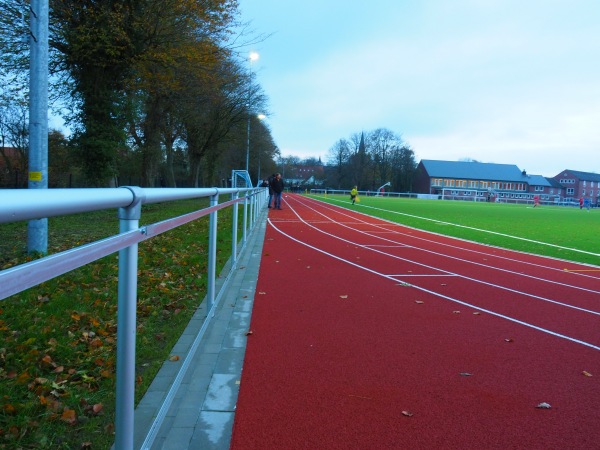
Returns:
<point x="254" y="203"/>
<point x="234" y="227"/>
<point x="126" y="325"/>
<point x="244" y="230"/>
<point x="212" y="253"/>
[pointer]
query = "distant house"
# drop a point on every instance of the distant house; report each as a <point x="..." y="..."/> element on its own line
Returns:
<point x="305" y="175"/>
<point x="481" y="181"/>
<point x="580" y="184"/>
<point x="546" y="188"/>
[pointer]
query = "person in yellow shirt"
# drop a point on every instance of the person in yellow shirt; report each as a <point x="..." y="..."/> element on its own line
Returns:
<point x="353" y="194"/>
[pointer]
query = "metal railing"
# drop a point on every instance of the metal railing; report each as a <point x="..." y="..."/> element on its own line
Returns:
<point x="24" y="204"/>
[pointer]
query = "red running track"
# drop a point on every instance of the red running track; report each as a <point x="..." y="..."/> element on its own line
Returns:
<point x="371" y="335"/>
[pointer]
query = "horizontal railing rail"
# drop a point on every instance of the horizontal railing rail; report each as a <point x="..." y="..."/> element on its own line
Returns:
<point x="18" y="205"/>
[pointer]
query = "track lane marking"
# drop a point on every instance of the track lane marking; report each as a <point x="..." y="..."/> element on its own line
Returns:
<point x="526" y="294"/>
<point x="545" y="280"/>
<point x="481" y="230"/>
<point x="454" y="300"/>
<point x="344" y="212"/>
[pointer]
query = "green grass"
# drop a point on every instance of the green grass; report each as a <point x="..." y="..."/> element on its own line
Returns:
<point x="58" y="340"/>
<point x="561" y="232"/>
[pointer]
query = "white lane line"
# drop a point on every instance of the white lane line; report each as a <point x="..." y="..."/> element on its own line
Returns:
<point x="482" y="231"/>
<point x="475" y="280"/>
<point x="487" y="266"/>
<point x="460" y="302"/>
<point x="344" y="212"/>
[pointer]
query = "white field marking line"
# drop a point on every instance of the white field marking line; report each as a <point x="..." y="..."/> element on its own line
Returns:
<point x="490" y="255"/>
<point x="483" y="231"/>
<point x="454" y="300"/>
<point x="526" y="294"/>
<point x="398" y="245"/>
<point x="410" y="275"/>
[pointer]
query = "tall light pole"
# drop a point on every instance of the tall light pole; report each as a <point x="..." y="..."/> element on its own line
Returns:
<point x="251" y="58"/>
<point x="260" y="117"/>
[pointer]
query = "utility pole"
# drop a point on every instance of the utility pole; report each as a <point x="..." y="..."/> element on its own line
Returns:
<point x="37" y="230"/>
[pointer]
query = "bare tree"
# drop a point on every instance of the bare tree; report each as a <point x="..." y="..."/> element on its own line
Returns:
<point x="338" y="157"/>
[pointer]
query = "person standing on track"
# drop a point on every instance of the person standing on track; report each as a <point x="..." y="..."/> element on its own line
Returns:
<point x="353" y="194"/>
<point x="277" y="186"/>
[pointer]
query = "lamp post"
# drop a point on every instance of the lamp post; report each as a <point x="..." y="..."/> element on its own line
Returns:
<point x="260" y="117"/>
<point x="251" y="58"/>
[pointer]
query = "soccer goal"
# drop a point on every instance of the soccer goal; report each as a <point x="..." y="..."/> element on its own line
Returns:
<point x="240" y="179"/>
<point x="470" y="195"/>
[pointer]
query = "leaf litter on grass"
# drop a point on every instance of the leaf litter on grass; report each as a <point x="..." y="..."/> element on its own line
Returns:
<point x="57" y="357"/>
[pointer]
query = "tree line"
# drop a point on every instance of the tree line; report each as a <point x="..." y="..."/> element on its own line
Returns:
<point x="158" y="93"/>
<point x="155" y="92"/>
<point x="371" y="159"/>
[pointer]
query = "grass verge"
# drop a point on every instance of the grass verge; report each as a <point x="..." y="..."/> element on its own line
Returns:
<point x="58" y="350"/>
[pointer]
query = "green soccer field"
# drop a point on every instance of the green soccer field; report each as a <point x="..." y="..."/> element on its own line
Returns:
<point x="562" y="232"/>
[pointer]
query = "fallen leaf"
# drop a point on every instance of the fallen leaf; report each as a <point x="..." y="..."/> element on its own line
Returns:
<point x="466" y="374"/>
<point x="586" y="373"/>
<point x="477" y="313"/>
<point x="455" y="312"/>
<point x="174" y="358"/>
<point x="69" y="416"/>
<point x="509" y="340"/>
<point x="262" y="293"/>
<point x="407" y="413"/>
<point x="343" y="296"/>
<point x="544" y="405"/>
<point x="249" y="332"/>
<point x="420" y="302"/>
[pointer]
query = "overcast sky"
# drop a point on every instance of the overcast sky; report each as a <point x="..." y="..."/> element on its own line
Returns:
<point x="502" y="81"/>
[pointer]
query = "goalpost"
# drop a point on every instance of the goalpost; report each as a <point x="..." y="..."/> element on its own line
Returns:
<point x="471" y="195"/>
<point x="240" y="179"/>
